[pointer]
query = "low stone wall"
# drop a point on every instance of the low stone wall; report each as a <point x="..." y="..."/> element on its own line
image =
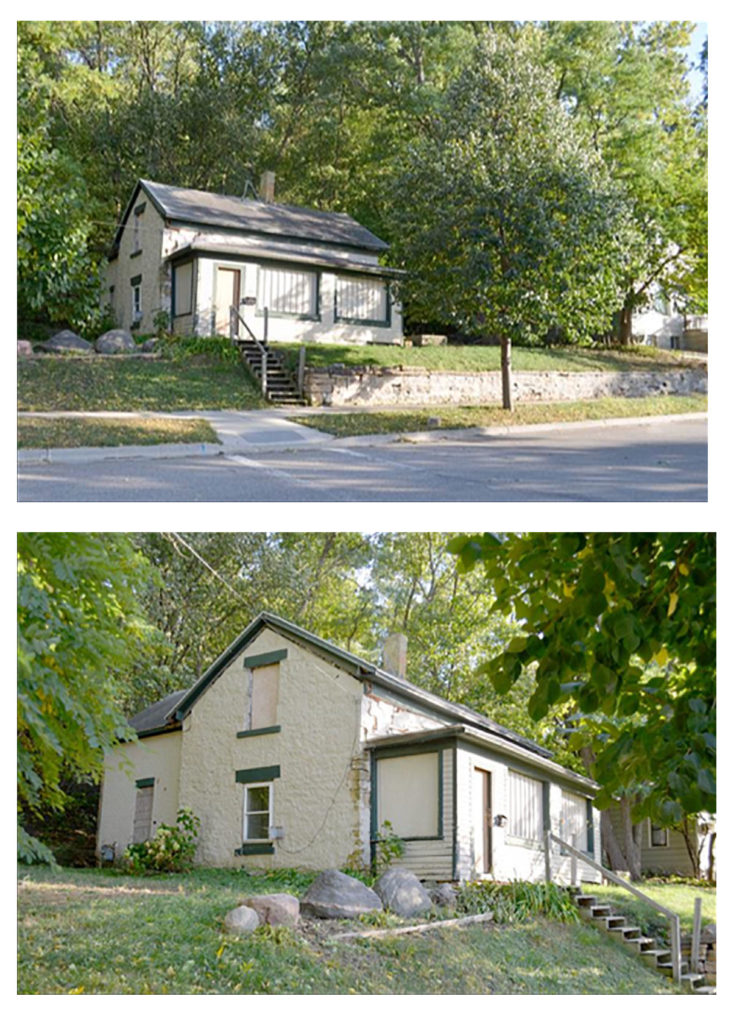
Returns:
<point x="368" y="386"/>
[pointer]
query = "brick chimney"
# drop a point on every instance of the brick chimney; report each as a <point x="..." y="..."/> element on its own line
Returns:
<point x="266" y="187"/>
<point x="394" y="655"/>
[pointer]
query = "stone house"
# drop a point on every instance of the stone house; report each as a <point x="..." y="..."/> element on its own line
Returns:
<point x="294" y="274"/>
<point x="296" y="753"/>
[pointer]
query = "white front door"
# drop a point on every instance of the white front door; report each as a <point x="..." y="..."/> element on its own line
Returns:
<point x="227" y="293"/>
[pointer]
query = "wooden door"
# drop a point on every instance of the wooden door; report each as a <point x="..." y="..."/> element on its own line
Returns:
<point x="482" y="824"/>
<point x="142" y="823"/>
<point x="227" y="294"/>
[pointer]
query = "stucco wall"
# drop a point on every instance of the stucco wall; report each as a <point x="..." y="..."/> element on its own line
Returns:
<point x="147" y="264"/>
<point x="409" y="386"/>
<point x="155" y="757"/>
<point x="319" y="795"/>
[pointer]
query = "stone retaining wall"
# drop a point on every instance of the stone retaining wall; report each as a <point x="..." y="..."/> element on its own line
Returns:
<point x="368" y="386"/>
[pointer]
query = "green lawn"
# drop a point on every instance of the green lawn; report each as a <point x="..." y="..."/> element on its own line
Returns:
<point x="487" y="357"/>
<point x="349" y="424"/>
<point x="71" y="384"/>
<point x="40" y="432"/>
<point x="676" y="896"/>
<point x="94" y="932"/>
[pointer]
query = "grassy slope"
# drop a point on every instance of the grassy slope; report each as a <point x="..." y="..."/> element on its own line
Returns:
<point x="487" y="357"/>
<point x="349" y="424"/>
<point x="38" y="432"/>
<point x="675" y="896"/>
<point x="99" y="933"/>
<point x="111" y="384"/>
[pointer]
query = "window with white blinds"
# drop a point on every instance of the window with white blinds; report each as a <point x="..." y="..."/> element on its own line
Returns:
<point x="286" y="292"/>
<point x="573" y="819"/>
<point x="361" y="298"/>
<point x="525" y="807"/>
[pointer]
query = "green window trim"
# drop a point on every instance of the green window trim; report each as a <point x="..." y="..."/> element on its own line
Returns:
<point x="270" y="658"/>
<point x="136" y="280"/>
<point x="265" y="774"/>
<point x="252" y="849"/>
<point x="406" y="751"/>
<point x="144" y="783"/>
<point x="260" y="732"/>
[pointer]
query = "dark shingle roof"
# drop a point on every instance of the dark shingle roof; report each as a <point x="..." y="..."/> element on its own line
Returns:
<point x="195" y="207"/>
<point x="155" y="716"/>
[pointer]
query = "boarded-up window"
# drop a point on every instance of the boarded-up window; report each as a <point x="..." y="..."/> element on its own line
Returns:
<point x="360" y="298"/>
<point x="408" y="795"/>
<point x="264" y="696"/>
<point x="658" y="836"/>
<point x="573" y="819"/>
<point x="183" y="289"/>
<point x="525" y="806"/>
<point x="287" y="292"/>
<point x="142" y="824"/>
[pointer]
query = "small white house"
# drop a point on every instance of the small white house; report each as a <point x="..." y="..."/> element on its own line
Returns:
<point x="294" y="274"/>
<point x="295" y="753"/>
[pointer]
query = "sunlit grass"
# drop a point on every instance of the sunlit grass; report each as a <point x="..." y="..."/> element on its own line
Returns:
<point x="42" y="432"/>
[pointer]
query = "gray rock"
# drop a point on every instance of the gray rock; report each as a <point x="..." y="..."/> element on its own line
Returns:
<point x="24" y="349"/>
<point x="149" y="345"/>
<point x="276" y="908"/>
<point x="334" y="894"/>
<point x="443" y="895"/>
<point x="403" y="893"/>
<point x="241" y="920"/>
<point x="708" y="935"/>
<point x="66" y="341"/>
<point x="115" y="341"/>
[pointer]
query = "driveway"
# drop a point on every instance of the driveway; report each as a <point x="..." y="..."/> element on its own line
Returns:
<point x="664" y="459"/>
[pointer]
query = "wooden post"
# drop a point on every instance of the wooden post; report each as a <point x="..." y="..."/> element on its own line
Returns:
<point x="266" y="324"/>
<point x="695" y="949"/>
<point x="301" y="371"/>
<point x="675" y="945"/>
<point x="547" y="853"/>
<point x="264" y="373"/>
<point x="573" y="861"/>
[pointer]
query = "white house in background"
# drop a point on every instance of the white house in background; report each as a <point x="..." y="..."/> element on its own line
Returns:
<point x="661" y="324"/>
<point x="295" y="753"/>
<point x="193" y="255"/>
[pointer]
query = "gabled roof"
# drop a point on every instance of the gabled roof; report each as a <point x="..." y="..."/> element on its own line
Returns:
<point x="356" y="666"/>
<point x="155" y="717"/>
<point x="192" y="206"/>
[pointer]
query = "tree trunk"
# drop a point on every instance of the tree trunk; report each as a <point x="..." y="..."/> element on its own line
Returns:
<point x="630" y="842"/>
<point x="711" y="858"/>
<point x="610" y="845"/>
<point x="507" y="372"/>
<point x="625" y="322"/>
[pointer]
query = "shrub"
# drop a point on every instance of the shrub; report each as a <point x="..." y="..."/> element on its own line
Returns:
<point x="389" y="847"/>
<point x="171" y="849"/>
<point x="215" y="350"/>
<point x="516" y="901"/>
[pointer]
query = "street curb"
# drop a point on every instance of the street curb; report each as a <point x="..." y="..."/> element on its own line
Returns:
<point x="35" y="456"/>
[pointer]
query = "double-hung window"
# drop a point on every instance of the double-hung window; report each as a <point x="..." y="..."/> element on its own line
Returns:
<point x="658" y="836"/>
<point x="257" y="811"/>
<point x="136" y="285"/>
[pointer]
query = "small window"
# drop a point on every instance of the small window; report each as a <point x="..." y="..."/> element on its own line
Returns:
<point x="136" y="301"/>
<point x="658" y="836"/>
<point x="263" y="697"/>
<point x="361" y="300"/>
<point x="525" y="807"/>
<point x="183" y="289"/>
<point x="257" y="811"/>
<point x="137" y="228"/>
<point x="142" y="823"/>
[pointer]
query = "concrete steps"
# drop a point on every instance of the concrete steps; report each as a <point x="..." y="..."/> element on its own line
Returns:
<point x="281" y="389"/>
<point x="652" y="954"/>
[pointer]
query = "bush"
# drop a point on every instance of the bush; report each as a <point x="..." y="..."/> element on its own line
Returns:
<point x="516" y="901"/>
<point x="171" y="849"/>
<point x="215" y="350"/>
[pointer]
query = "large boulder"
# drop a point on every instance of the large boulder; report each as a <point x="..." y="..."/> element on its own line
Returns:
<point x="241" y="920"/>
<point x="25" y="348"/>
<point x="275" y="908"/>
<point x="334" y="894"/>
<point x="403" y="893"/>
<point x="113" y="342"/>
<point x="66" y="341"/>
<point x="443" y="895"/>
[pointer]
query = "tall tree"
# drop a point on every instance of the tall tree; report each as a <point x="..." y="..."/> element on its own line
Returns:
<point x="80" y="628"/>
<point x="505" y="220"/>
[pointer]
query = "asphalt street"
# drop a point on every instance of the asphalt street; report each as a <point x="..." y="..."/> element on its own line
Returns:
<point x="647" y="462"/>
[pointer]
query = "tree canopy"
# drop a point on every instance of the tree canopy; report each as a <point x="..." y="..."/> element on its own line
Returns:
<point x="621" y="629"/>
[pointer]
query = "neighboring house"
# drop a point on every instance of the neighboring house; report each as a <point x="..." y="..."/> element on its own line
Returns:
<point x="664" y="851"/>
<point x="295" y="753"/>
<point x="662" y="325"/>
<point x="311" y="275"/>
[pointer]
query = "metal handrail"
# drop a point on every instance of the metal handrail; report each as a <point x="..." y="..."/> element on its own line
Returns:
<point x="673" y="918"/>
<point x="236" y="318"/>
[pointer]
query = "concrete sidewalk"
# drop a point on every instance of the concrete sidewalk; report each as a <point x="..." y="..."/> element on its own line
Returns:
<point x="251" y="431"/>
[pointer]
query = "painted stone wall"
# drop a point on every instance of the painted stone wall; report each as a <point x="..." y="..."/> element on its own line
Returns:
<point x="155" y="757"/>
<point x="319" y="795"/>
<point x="363" y="386"/>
